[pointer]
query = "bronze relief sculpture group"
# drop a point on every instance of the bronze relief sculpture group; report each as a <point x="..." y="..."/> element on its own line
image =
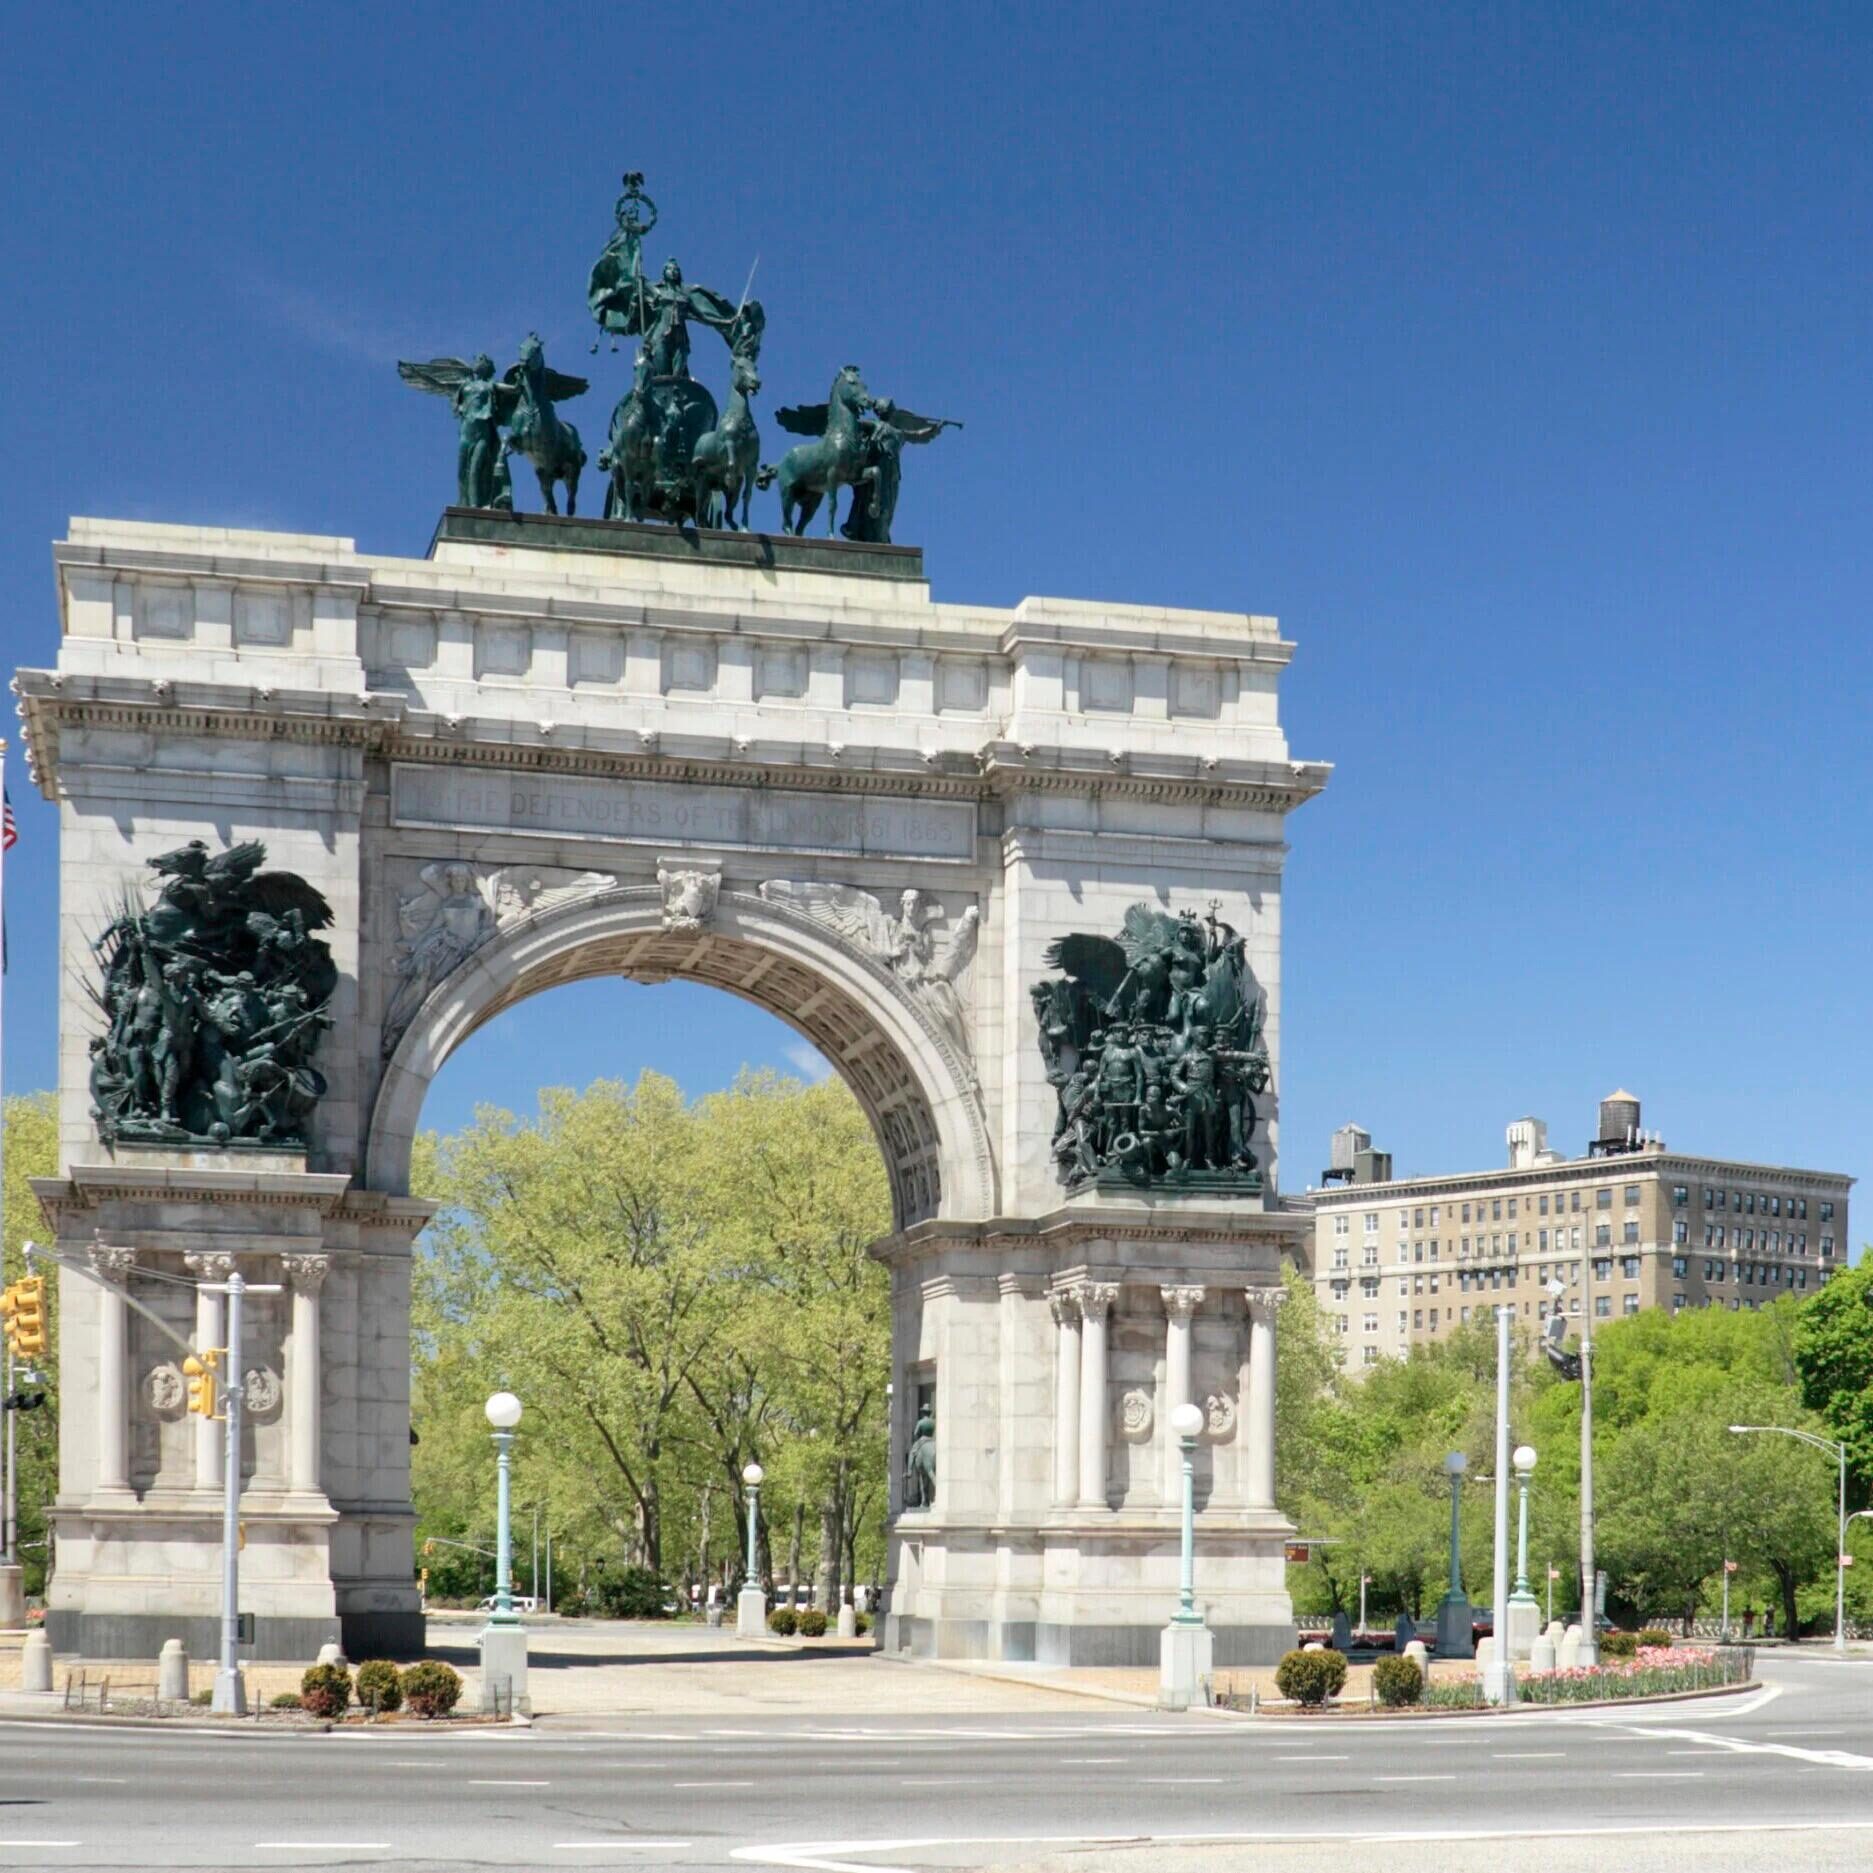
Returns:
<point x="670" y="455"/>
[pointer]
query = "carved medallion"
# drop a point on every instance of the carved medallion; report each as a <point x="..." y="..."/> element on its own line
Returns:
<point x="165" y="1389"/>
<point x="1135" y="1414"/>
<point x="260" y="1393"/>
<point x="1219" y="1417"/>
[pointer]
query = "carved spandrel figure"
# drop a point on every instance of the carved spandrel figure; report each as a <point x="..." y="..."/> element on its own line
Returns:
<point x="443" y="922"/>
<point x="920" y="1465"/>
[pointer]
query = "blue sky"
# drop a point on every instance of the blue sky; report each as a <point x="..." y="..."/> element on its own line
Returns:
<point x="1514" y="356"/>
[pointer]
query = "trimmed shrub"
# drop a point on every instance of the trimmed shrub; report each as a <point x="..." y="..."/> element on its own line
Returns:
<point x="432" y="1688"/>
<point x="861" y="1624"/>
<point x="1652" y="1635"/>
<point x="286" y="1700"/>
<point x="380" y="1686"/>
<point x="1398" y="1682"/>
<point x="784" y="1621"/>
<point x="1619" y="1644"/>
<point x="1310" y="1677"/>
<point x="637" y="1593"/>
<point x="325" y="1690"/>
<point x="812" y="1624"/>
<point x="206" y="1698"/>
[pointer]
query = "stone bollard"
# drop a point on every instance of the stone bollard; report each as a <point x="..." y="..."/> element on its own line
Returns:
<point x="1567" y="1653"/>
<point x="1420" y="1654"/>
<point x="1541" y="1654"/>
<point x="1554" y="1631"/>
<point x="1485" y="1654"/>
<point x="172" y="1673"/>
<point x="1313" y="1645"/>
<point x="36" y="1662"/>
<point x="332" y="1653"/>
<point x="848" y="1622"/>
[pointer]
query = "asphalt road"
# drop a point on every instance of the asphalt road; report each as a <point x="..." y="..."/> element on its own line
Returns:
<point x="873" y="1793"/>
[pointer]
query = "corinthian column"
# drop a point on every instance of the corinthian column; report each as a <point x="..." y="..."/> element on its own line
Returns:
<point x="1180" y="1307"/>
<point x="209" y="1443"/>
<point x="1096" y="1299"/>
<point x="307" y="1274"/>
<point x="1066" y="1310"/>
<point x="1261" y="1430"/>
<point x="113" y="1266"/>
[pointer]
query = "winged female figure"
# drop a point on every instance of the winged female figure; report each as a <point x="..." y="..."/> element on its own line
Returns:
<point x="481" y="404"/>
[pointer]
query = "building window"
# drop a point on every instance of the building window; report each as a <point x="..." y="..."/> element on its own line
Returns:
<point x="1372" y="1323"/>
<point x="1827" y="1247"/>
<point x="1417" y="1217"/>
<point x="1736" y="1203"/>
<point x="1630" y="1233"/>
<point x="1680" y="1195"/>
<point x="1602" y="1235"/>
<point x="1603" y="1268"/>
<point x="1681" y="1229"/>
<point x="1677" y="1301"/>
<point x="1573" y="1199"/>
<point x="1511" y="1209"/>
<point x="1544" y="1204"/>
<point x="1678" y="1265"/>
<point x="1602" y="1306"/>
<point x="1466" y="1212"/>
<point x="1372" y="1222"/>
<point x="1339" y="1225"/>
<point x="1801" y="1208"/>
<point x="1603" y="1199"/>
<point x="1417" y="1316"/>
<point x="1511" y="1241"/>
<point x="1368" y="1355"/>
<point x="1369" y="1257"/>
<point x="1403" y="1315"/>
<point x="1339" y="1257"/>
<point x="1433" y="1248"/>
<point x="1801" y="1277"/>
<point x="1544" y="1241"/>
<point x="1632" y="1196"/>
<point x="1629" y="1267"/>
<point x="1630" y="1304"/>
<point x="1775" y="1206"/>
<point x="1825" y="1212"/>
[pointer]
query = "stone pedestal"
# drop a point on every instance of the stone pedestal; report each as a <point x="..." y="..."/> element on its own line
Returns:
<point x="1184" y="1662"/>
<point x="848" y="1622"/>
<point x="172" y="1673"/>
<point x="1524" y="1626"/>
<point x="504" y="1656"/>
<point x="751" y="1614"/>
<point x="12" y="1597"/>
<point x="36" y="1663"/>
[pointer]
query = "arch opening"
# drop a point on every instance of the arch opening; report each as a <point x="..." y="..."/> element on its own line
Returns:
<point x="918" y="1094"/>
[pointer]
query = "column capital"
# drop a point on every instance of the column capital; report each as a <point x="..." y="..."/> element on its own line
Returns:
<point x="209" y="1264"/>
<point x="306" y="1272"/>
<point x="1181" y="1303"/>
<point x="1064" y="1304"/>
<point x="1264" y="1300"/>
<point x="112" y="1261"/>
<point x="1097" y="1298"/>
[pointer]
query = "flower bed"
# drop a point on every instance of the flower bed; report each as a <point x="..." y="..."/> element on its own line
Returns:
<point x="1653" y="1671"/>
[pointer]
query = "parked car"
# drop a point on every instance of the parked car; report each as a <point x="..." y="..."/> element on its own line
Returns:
<point x="521" y="1603"/>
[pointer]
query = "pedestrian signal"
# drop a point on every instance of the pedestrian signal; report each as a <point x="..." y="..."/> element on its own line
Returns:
<point x="199" y="1370"/>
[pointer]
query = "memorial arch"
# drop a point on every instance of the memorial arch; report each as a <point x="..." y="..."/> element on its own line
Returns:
<point x="550" y="749"/>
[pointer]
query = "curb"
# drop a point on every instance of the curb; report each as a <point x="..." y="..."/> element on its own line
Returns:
<point x="240" y="1727"/>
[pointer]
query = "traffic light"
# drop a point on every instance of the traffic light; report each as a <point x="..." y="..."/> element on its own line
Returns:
<point x="26" y="1320"/>
<point x="429" y="1547"/>
<point x="1565" y="1363"/>
<point x="199" y="1370"/>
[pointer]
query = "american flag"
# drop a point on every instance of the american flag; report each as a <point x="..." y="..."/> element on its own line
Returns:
<point x="9" y="830"/>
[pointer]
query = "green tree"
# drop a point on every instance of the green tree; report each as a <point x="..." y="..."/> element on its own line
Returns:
<point x="31" y="1122"/>
<point x="1833" y="1348"/>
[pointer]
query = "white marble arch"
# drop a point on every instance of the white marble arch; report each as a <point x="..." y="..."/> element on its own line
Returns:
<point x="918" y="1091"/>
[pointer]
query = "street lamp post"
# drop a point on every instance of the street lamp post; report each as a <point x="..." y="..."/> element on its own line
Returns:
<point x="1524" y="1608"/>
<point x="1499" y="1675"/>
<point x="1455" y="1636"/>
<point x="751" y="1603"/>
<point x="1185" y="1648"/>
<point x="1839" y="1452"/>
<point x="503" y="1639"/>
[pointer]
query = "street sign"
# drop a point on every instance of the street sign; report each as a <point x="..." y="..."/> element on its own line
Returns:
<point x="243" y="1629"/>
<point x="1295" y="1554"/>
<point x="1730" y="1567"/>
<point x="1846" y="1560"/>
<point x="1554" y="1573"/>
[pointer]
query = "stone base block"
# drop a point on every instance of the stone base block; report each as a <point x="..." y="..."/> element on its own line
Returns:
<point x="1185" y="1659"/>
<point x="12" y="1597"/>
<point x="1045" y="1643"/>
<point x="143" y="1635"/>
<point x="1524" y="1624"/>
<point x="751" y="1614"/>
<point x="504" y="1655"/>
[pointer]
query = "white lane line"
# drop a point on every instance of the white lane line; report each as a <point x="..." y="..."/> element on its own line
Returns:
<point x="615" y="1846"/>
<point x="1697" y="1752"/>
<point x="1179" y="1781"/>
<point x="326" y="1846"/>
<point x="1294" y="1758"/>
<point x="1658" y="1775"/>
<point x="98" y="1778"/>
<point x="1414" y="1778"/>
<point x="1083" y="1762"/>
<point x="482" y="1781"/>
<point x="1738" y="1746"/>
<point x="935" y="1781"/>
<point x="41" y="1843"/>
<point x="1784" y="1730"/>
<point x="712" y="1785"/>
<point x="824" y="1856"/>
<point x="1527" y="1755"/>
